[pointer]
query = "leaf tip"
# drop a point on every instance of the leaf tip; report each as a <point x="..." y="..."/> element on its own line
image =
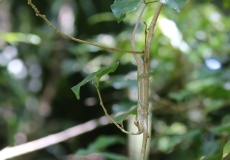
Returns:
<point x="76" y="92"/>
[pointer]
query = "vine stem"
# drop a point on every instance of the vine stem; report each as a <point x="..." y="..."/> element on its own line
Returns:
<point x="144" y="104"/>
<point x="143" y="65"/>
<point x="76" y="39"/>
<point x="143" y="79"/>
<point x="109" y="117"/>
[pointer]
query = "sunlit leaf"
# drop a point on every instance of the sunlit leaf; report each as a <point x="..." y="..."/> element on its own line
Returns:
<point x="226" y="150"/>
<point x="119" y="119"/>
<point x="221" y="129"/>
<point x="215" y="105"/>
<point x="217" y="156"/>
<point x="225" y="119"/>
<point x="121" y="7"/>
<point x="175" y="4"/>
<point x="97" y="75"/>
<point x="15" y="37"/>
<point x="106" y="70"/>
<point x="200" y="85"/>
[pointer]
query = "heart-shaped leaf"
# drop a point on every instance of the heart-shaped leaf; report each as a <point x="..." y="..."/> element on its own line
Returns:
<point x="175" y="4"/>
<point x="103" y="71"/>
<point x="121" y="7"/>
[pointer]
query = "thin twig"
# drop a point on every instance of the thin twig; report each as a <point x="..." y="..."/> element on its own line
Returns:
<point x="135" y="29"/>
<point x="138" y="59"/>
<point x="141" y="116"/>
<point x="151" y="29"/>
<point x="109" y="117"/>
<point x="76" y="39"/>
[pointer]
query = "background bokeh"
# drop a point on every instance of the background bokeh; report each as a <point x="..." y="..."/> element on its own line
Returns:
<point x="190" y="78"/>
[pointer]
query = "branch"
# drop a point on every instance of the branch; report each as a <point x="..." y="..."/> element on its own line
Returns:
<point x="110" y="118"/>
<point x="10" y="152"/>
<point x="76" y="39"/>
<point x="145" y="84"/>
<point x="135" y="28"/>
<point x="151" y="30"/>
<point x="138" y="58"/>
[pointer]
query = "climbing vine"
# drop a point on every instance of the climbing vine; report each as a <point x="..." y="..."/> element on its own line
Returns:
<point x="120" y="9"/>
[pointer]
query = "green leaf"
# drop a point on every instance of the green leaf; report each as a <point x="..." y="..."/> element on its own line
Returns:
<point x="119" y="119"/>
<point x="226" y="4"/>
<point x="180" y="95"/>
<point x="221" y="129"/>
<point x="210" y="149"/>
<point x="14" y="38"/>
<point x="121" y="7"/>
<point x="217" y="156"/>
<point x="103" y="71"/>
<point x="214" y="105"/>
<point x="103" y="142"/>
<point x="175" y="4"/>
<point x="226" y="150"/>
<point x="100" y="144"/>
<point x="113" y="156"/>
<point x="106" y="70"/>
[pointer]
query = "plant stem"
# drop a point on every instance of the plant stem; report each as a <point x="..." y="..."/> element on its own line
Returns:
<point x="142" y="72"/>
<point x="143" y="80"/>
<point x="143" y="110"/>
<point x="76" y="39"/>
<point x="109" y="117"/>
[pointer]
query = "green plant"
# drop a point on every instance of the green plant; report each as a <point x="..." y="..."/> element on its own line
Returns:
<point x="189" y="82"/>
<point x="120" y="8"/>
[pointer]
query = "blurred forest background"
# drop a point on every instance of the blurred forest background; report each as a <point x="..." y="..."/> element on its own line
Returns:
<point x="190" y="78"/>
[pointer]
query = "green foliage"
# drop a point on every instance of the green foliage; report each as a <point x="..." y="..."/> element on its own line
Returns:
<point x="226" y="4"/>
<point x="98" y="74"/>
<point x="226" y="150"/>
<point x="119" y="119"/>
<point x="100" y="145"/>
<point x="221" y="129"/>
<point x="121" y="7"/>
<point x="14" y="38"/>
<point x="175" y="4"/>
<point x="190" y="100"/>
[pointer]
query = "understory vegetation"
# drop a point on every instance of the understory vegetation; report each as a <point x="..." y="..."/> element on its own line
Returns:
<point x="188" y="93"/>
